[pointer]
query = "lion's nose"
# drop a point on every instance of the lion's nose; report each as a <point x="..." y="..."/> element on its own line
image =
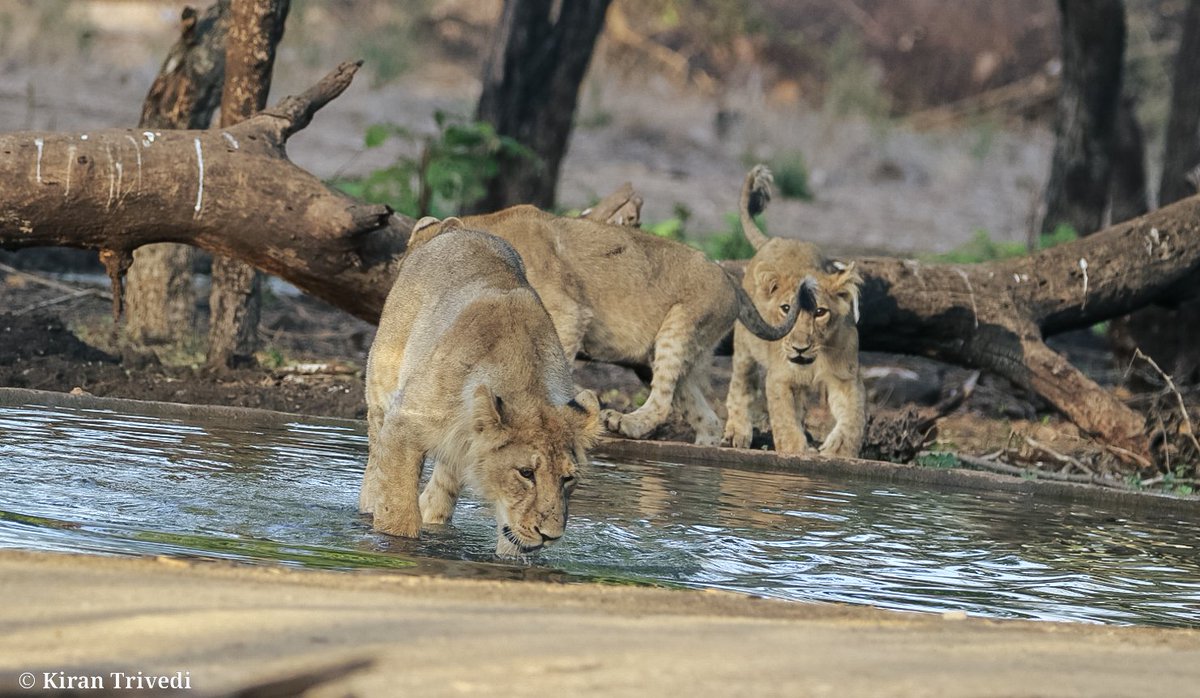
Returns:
<point x="546" y="538"/>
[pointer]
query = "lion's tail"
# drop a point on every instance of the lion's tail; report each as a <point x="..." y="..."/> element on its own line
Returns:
<point x="756" y="194"/>
<point x="748" y="315"/>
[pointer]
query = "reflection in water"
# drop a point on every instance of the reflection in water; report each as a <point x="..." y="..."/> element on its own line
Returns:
<point x="102" y="482"/>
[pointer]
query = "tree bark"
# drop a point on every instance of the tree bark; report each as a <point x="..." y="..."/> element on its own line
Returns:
<point x="531" y="79"/>
<point x="160" y="306"/>
<point x="256" y="26"/>
<point x="1181" y="154"/>
<point x="1128" y="195"/>
<point x="64" y="190"/>
<point x="1093" y="36"/>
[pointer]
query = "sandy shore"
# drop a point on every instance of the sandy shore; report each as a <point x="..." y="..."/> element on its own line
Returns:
<point x="228" y="625"/>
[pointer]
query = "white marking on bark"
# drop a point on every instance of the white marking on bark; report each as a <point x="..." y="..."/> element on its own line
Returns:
<point x="230" y="140"/>
<point x="112" y="178"/>
<point x="138" y="152"/>
<point x="70" y="164"/>
<point x="971" y="291"/>
<point x="1084" y="265"/>
<point x="83" y="137"/>
<point x="1016" y="278"/>
<point x="200" y="168"/>
<point x="147" y="138"/>
<point x="120" y="177"/>
<point x="40" y="145"/>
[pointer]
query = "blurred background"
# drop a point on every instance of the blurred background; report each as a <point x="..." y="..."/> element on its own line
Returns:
<point x="894" y="126"/>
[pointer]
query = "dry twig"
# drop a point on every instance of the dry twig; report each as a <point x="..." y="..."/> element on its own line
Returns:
<point x="1187" y="422"/>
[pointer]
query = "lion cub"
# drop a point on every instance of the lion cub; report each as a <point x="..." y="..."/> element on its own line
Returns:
<point x="621" y="295"/>
<point x="466" y="369"/>
<point x="820" y="352"/>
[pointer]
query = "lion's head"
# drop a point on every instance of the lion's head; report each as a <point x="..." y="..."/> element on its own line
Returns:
<point x="829" y="318"/>
<point x="528" y="460"/>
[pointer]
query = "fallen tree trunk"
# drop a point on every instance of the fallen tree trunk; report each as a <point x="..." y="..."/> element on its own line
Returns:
<point x="230" y="191"/>
<point x="234" y="192"/>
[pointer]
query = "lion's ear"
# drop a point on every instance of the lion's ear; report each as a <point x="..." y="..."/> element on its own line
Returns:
<point x="488" y="410"/>
<point x="847" y="284"/>
<point x="452" y="222"/>
<point x="424" y="223"/>
<point x="766" y="281"/>
<point x="585" y="408"/>
<point x="423" y="231"/>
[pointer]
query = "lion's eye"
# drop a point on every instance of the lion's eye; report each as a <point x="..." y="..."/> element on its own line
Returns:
<point x="526" y="473"/>
<point x="821" y="312"/>
<point x="786" y="307"/>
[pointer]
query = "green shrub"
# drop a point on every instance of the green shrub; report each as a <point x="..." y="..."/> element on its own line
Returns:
<point x="451" y="171"/>
<point x="791" y="176"/>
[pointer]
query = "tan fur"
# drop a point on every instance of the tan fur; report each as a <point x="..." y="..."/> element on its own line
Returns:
<point x="467" y="370"/>
<point x="621" y="295"/>
<point x="820" y="352"/>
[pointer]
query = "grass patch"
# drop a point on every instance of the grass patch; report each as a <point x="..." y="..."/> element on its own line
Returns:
<point x="982" y="248"/>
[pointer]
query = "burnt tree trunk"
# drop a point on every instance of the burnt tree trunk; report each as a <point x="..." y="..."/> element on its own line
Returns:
<point x="159" y="303"/>
<point x="1128" y="195"/>
<point x="61" y="190"/>
<point x="1171" y="334"/>
<point x="256" y="26"/>
<point x="1093" y="37"/>
<point x="1181" y="155"/>
<point x="536" y="62"/>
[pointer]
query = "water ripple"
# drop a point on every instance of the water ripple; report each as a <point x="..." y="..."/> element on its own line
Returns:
<point x="103" y="482"/>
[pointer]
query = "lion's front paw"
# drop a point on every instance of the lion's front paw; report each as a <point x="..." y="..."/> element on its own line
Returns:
<point x="736" y="437"/>
<point x="633" y="425"/>
<point x="838" y="443"/>
<point x="436" y="510"/>
<point x="787" y="442"/>
<point x="612" y="420"/>
<point x="396" y="521"/>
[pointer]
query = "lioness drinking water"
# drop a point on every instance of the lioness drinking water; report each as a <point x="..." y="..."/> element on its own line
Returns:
<point x="466" y="369"/>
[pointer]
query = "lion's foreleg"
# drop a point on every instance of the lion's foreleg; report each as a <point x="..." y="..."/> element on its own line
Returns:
<point x="739" y="429"/>
<point x="787" y="416"/>
<point x="848" y="406"/>
<point x="368" y="494"/>
<point x="440" y="495"/>
<point x="396" y="507"/>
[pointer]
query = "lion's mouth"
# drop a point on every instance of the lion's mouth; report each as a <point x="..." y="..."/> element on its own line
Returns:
<point x="801" y="359"/>
<point x="523" y="547"/>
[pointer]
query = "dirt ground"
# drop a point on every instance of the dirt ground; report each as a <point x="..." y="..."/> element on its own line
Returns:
<point x="314" y="356"/>
<point x="231" y="626"/>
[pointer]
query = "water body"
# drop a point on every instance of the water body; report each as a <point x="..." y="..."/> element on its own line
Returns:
<point x="99" y="481"/>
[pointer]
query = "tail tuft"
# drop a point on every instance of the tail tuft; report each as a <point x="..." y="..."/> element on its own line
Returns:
<point x="758" y="189"/>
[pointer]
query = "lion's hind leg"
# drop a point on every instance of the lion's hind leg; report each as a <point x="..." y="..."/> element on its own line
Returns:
<point x="674" y="347"/>
<point x="691" y="400"/>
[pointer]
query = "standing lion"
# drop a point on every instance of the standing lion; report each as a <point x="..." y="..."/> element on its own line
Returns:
<point x="821" y="352"/>
<point x="466" y="369"/>
<point x="620" y="295"/>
